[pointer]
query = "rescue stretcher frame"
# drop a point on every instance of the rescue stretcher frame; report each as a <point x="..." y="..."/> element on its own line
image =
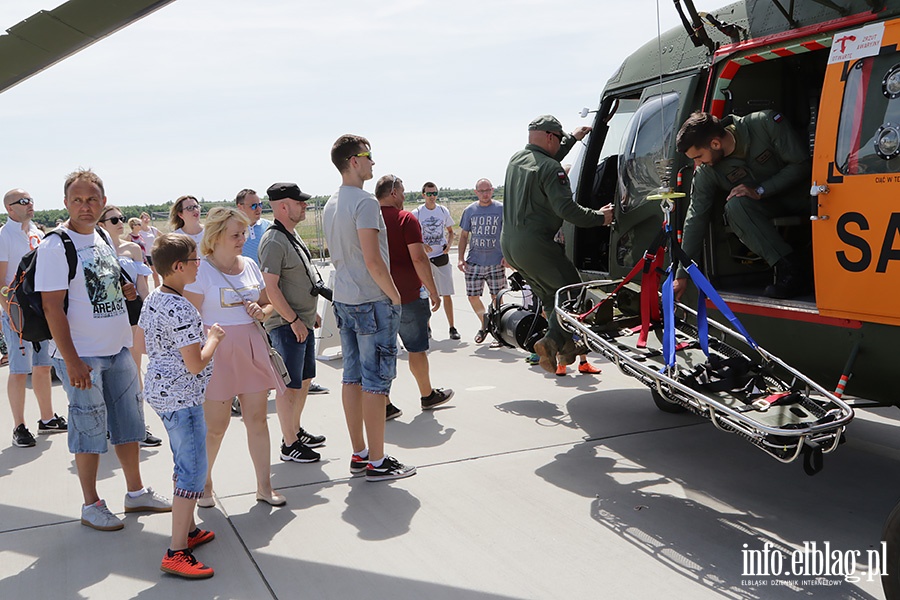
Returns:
<point x="785" y="445"/>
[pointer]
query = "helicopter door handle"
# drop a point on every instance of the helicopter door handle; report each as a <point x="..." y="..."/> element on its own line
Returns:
<point x="814" y="193"/>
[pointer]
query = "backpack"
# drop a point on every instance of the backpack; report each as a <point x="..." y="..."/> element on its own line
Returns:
<point x="26" y="309"/>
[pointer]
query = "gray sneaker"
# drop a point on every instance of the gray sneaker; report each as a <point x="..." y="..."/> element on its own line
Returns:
<point x="99" y="517"/>
<point x="149" y="501"/>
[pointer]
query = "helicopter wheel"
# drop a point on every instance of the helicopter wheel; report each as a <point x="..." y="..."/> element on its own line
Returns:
<point x="665" y="405"/>
<point x="890" y="581"/>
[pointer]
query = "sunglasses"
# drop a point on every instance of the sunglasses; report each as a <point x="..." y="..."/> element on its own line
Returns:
<point x="196" y="260"/>
<point x="116" y="220"/>
<point x="255" y="205"/>
<point x="431" y="194"/>
<point x="25" y="201"/>
<point x="556" y="135"/>
<point x="394" y="181"/>
<point x="191" y="208"/>
<point x="484" y="191"/>
<point x="362" y="154"/>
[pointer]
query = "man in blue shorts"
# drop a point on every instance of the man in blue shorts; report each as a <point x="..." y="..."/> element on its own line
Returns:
<point x="93" y="352"/>
<point x="366" y="308"/>
<point x="410" y="269"/>
<point x="286" y="265"/>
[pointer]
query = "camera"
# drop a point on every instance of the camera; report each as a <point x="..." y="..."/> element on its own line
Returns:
<point x="320" y="289"/>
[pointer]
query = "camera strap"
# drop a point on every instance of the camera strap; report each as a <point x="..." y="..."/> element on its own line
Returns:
<point x="302" y="250"/>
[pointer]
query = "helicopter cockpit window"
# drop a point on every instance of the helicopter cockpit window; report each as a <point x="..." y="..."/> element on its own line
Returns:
<point x="869" y="132"/>
<point x="648" y="136"/>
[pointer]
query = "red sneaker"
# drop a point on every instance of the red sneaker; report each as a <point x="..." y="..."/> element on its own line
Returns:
<point x="183" y="564"/>
<point x="198" y="537"/>
<point x="588" y="368"/>
<point x="561" y="370"/>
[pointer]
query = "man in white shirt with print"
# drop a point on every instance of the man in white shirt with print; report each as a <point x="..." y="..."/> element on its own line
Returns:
<point x="437" y="233"/>
<point x="92" y="355"/>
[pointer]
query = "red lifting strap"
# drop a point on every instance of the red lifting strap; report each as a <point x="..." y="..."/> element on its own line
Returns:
<point x="650" y="296"/>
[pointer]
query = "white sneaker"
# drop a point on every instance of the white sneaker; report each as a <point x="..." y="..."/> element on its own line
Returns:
<point x="98" y="516"/>
<point x="149" y="501"/>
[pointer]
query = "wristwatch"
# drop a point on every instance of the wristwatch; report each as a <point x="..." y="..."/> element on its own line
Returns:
<point x="760" y="191"/>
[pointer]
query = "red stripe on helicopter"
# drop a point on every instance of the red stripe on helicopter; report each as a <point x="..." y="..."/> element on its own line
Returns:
<point x="788" y="314"/>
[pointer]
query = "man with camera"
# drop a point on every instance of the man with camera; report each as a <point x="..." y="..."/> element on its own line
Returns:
<point x="293" y="285"/>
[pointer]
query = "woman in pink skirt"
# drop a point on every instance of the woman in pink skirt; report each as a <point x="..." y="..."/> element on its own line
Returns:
<point x="230" y="291"/>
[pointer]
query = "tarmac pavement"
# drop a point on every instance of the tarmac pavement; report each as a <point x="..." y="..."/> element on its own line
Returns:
<point x="529" y="486"/>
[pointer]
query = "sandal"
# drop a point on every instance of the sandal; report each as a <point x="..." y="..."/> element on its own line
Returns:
<point x="4" y="361"/>
<point x="480" y="336"/>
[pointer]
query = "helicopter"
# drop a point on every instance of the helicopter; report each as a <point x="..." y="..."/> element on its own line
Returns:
<point x="833" y="72"/>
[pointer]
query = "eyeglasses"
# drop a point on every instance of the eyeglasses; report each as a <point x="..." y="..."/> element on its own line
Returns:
<point x="431" y="194"/>
<point x="254" y="206"/>
<point x="24" y="201"/>
<point x="485" y="191"/>
<point x="191" y="208"/>
<point x="115" y="220"/>
<point x="196" y="260"/>
<point x="362" y="154"/>
<point x="394" y="181"/>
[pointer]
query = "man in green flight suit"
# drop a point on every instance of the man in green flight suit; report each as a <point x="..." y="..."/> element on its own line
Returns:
<point x="537" y="199"/>
<point x="765" y="170"/>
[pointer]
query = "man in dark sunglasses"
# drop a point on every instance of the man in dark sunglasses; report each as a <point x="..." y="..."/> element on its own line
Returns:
<point x="248" y="202"/>
<point x="537" y="199"/>
<point x="18" y="236"/>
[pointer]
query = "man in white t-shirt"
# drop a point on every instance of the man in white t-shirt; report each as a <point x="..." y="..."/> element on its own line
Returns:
<point x="248" y="202"/>
<point x="17" y="237"/>
<point x="437" y="233"/>
<point x="92" y="354"/>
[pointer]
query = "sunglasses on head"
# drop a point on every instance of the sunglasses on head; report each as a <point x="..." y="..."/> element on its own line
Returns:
<point x="115" y="220"/>
<point x="24" y="201"/>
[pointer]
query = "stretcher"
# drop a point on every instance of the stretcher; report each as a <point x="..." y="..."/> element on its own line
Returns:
<point x="734" y="383"/>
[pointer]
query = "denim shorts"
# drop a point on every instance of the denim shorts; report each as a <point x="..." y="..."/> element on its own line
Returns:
<point x="299" y="357"/>
<point x="112" y="404"/>
<point x="187" y="438"/>
<point x="369" y="344"/>
<point x="414" y="325"/>
<point x="21" y="359"/>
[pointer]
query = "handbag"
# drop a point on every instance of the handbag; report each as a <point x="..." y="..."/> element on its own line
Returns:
<point x="275" y="358"/>
<point x="440" y="260"/>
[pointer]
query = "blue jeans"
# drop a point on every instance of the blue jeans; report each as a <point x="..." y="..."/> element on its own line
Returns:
<point x="112" y="404"/>
<point x="414" y="324"/>
<point x="22" y="358"/>
<point x="187" y="439"/>
<point x="369" y="344"/>
<point x="299" y="357"/>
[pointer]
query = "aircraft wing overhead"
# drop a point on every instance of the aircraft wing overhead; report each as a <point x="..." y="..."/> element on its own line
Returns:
<point x="48" y="37"/>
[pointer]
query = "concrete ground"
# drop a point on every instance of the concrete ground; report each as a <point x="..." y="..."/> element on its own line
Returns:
<point x="530" y="486"/>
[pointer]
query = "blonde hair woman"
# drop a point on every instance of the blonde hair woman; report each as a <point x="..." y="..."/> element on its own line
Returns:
<point x="184" y="217"/>
<point x="230" y="291"/>
<point x="149" y="233"/>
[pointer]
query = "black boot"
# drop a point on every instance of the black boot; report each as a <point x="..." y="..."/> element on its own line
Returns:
<point x="791" y="279"/>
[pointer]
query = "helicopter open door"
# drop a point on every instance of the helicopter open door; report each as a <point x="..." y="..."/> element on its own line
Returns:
<point x="856" y="175"/>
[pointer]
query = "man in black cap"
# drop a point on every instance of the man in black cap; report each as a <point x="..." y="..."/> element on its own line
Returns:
<point x="291" y="279"/>
<point x="537" y="199"/>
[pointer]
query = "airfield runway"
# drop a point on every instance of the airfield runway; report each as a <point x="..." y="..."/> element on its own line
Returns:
<point x="530" y="486"/>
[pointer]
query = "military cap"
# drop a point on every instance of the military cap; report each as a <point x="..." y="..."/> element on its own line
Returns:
<point x="546" y="123"/>
<point x="280" y="191"/>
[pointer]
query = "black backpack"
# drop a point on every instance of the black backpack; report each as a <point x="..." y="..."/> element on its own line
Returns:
<point x="26" y="308"/>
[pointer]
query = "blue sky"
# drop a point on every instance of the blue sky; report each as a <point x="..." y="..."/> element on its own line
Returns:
<point x="206" y="97"/>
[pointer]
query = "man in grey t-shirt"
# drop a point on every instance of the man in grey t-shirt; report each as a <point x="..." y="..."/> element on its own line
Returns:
<point x="366" y="308"/>
<point x="286" y="266"/>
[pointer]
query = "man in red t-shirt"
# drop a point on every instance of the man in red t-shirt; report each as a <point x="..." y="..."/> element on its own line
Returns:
<point x="410" y="270"/>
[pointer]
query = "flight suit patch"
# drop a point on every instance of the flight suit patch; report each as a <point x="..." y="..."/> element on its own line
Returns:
<point x="563" y="178"/>
<point x="764" y="157"/>
<point x="738" y="174"/>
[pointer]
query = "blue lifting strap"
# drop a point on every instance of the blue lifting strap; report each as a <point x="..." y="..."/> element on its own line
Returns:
<point x="706" y="287"/>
